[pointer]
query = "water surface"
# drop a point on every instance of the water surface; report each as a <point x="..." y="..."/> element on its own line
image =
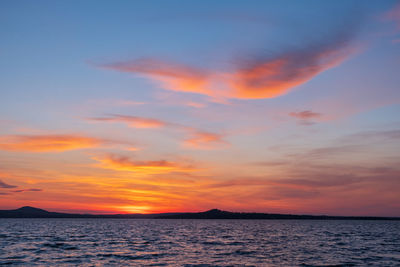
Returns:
<point x="147" y="242"/>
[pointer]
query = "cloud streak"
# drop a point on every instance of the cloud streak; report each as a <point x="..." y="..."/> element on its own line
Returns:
<point x="172" y="76"/>
<point x="264" y="76"/>
<point x="394" y="15"/>
<point x="47" y="143"/>
<point x="269" y="77"/>
<point x="4" y="185"/>
<point x="27" y="190"/>
<point x="13" y="190"/>
<point x="132" y="121"/>
<point x="196" y="138"/>
<point x="305" y="117"/>
<point x="204" y="140"/>
<point x="122" y="163"/>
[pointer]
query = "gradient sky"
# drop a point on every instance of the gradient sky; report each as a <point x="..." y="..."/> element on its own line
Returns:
<point x="159" y="106"/>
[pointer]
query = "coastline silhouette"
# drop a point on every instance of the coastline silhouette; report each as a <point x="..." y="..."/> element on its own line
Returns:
<point x="32" y="212"/>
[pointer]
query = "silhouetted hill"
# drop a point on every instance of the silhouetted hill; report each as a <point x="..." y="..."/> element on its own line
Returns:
<point x="220" y="214"/>
<point x="31" y="212"/>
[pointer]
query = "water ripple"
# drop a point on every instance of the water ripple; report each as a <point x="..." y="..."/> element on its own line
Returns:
<point x="99" y="242"/>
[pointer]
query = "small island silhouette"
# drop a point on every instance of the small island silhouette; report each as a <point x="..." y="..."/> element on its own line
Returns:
<point x="31" y="212"/>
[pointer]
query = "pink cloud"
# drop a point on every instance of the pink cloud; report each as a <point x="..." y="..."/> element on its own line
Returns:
<point x="265" y="76"/>
<point x="204" y="140"/>
<point x="394" y="15"/>
<point x="195" y="104"/>
<point x="306" y="117"/>
<point x="197" y="139"/>
<point x="133" y="121"/>
<point x="122" y="163"/>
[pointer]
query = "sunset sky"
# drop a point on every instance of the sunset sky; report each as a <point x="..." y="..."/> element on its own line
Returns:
<point x="161" y="106"/>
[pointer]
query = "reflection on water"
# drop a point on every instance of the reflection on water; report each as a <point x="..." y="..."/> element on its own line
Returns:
<point x="97" y="242"/>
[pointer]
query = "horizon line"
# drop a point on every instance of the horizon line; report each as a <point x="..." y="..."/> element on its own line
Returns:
<point x="201" y="212"/>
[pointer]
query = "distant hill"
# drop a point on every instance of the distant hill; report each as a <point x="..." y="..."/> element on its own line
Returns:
<point x="28" y="212"/>
<point x="31" y="212"/>
<point x="220" y="214"/>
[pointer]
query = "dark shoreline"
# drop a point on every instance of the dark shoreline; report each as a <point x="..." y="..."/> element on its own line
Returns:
<point x="30" y="212"/>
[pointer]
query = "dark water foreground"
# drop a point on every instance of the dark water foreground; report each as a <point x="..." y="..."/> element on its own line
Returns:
<point x="147" y="242"/>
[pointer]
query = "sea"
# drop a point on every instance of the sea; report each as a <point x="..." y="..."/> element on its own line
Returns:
<point x="158" y="242"/>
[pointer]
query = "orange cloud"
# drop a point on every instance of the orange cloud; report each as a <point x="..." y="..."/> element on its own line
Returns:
<point x="198" y="139"/>
<point x="195" y="104"/>
<point x="121" y="163"/>
<point x="204" y="140"/>
<point x="46" y="143"/>
<point x="175" y="77"/>
<point x="132" y="121"/>
<point x="262" y="77"/>
<point x="274" y="77"/>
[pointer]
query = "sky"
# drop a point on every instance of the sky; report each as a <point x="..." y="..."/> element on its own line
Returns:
<point x="167" y="106"/>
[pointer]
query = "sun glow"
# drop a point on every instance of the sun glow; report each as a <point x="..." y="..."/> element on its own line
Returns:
<point x="134" y="209"/>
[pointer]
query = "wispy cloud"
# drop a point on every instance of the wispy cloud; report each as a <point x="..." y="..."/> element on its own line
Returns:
<point x="336" y="186"/>
<point x="27" y="190"/>
<point x="8" y="186"/>
<point x="274" y="76"/>
<point x="47" y="143"/>
<point x="172" y="76"/>
<point x="122" y="163"/>
<point x="373" y="136"/>
<point x="129" y="103"/>
<point x="347" y="157"/>
<point x="394" y="15"/>
<point x="204" y="140"/>
<point x="195" y="104"/>
<point x="305" y="117"/>
<point x="264" y="76"/>
<point x="132" y="121"/>
<point x="4" y="185"/>
<point x="196" y="138"/>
